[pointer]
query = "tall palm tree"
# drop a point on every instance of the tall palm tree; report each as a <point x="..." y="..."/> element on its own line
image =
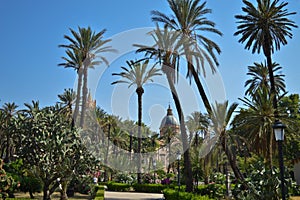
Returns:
<point x="9" y="111"/>
<point x="74" y="60"/>
<point x="260" y="106"/>
<point x="167" y="49"/>
<point x="85" y="48"/>
<point x="265" y="27"/>
<point x="137" y="74"/>
<point x="260" y="78"/>
<point x="189" y="17"/>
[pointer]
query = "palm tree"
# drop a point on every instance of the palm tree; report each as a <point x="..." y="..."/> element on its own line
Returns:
<point x="130" y="127"/>
<point x="9" y="111"/>
<point x="198" y="124"/>
<point x="265" y="28"/>
<point x="256" y="122"/>
<point x="221" y="115"/>
<point x="260" y="78"/>
<point x="137" y="74"/>
<point x="260" y="109"/>
<point x="84" y="48"/>
<point x="67" y="100"/>
<point x="189" y="18"/>
<point x="167" y="49"/>
<point x="74" y="60"/>
<point x="110" y="125"/>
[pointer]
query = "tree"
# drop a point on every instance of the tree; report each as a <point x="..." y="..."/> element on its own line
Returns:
<point x="260" y="78"/>
<point x="84" y="48"/>
<point x="221" y="115"/>
<point x="50" y="146"/>
<point x="137" y="74"/>
<point x="67" y="100"/>
<point x="8" y="114"/>
<point x="260" y="113"/>
<point x="198" y="124"/>
<point x="190" y="19"/>
<point x="265" y="27"/>
<point x="74" y="60"/>
<point x="167" y="49"/>
<point x="255" y="123"/>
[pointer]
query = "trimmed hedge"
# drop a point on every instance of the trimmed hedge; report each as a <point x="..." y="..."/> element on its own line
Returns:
<point x="149" y="188"/>
<point x="171" y="194"/>
<point x="100" y="192"/>
<point x="118" y="187"/>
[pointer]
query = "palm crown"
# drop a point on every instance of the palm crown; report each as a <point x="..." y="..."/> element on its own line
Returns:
<point x="265" y="26"/>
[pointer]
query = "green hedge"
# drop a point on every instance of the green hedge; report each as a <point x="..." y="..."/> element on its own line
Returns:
<point x="100" y="192"/>
<point x="118" y="187"/>
<point x="171" y="194"/>
<point x="151" y="188"/>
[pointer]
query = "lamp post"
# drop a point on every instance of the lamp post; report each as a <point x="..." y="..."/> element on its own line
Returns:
<point x="154" y="167"/>
<point x="178" y="157"/>
<point x="279" y="137"/>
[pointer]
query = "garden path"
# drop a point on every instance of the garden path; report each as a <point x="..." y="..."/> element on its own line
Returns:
<point x="131" y="196"/>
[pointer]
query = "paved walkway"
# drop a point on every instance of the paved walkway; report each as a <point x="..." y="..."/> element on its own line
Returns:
<point x="131" y="196"/>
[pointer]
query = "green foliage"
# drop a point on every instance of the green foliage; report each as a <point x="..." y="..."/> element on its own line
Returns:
<point x="124" y="178"/>
<point x="6" y="181"/>
<point x="264" y="184"/>
<point x="171" y="194"/>
<point x="218" y="178"/>
<point x="97" y="192"/>
<point x="27" y="180"/>
<point x="50" y="146"/>
<point x="30" y="184"/>
<point x="212" y="190"/>
<point x="81" y="184"/>
<point x="151" y="188"/>
<point x="118" y="187"/>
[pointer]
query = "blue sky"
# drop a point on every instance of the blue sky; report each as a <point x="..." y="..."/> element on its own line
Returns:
<point x="31" y="31"/>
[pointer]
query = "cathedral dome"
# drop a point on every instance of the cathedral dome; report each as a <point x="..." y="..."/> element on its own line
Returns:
<point x="169" y="120"/>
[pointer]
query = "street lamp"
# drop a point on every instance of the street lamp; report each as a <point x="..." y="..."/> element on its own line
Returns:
<point x="154" y="167"/>
<point x="178" y="157"/>
<point x="279" y="137"/>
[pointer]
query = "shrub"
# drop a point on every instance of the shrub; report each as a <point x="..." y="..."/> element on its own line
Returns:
<point x="118" y="187"/>
<point x="212" y="190"/>
<point x="264" y="184"/>
<point x="97" y="192"/>
<point x="150" y="188"/>
<point x="171" y="194"/>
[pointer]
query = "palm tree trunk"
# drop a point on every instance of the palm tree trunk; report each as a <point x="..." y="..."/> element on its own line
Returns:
<point x="274" y="95"/>
<point x="139" y="92"/>
<point x="130" y="145"/>
<point x="84" y="96"/>
<point x="195" y="75"/>
<point x="186" y="155"/>
<point x="107" y="151"/>
<point x="200" y="89"/>
<point x="78" y="93"/>
<point x="232" y="161"/>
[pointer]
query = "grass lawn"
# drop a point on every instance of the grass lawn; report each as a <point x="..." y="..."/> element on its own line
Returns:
<point x="295" y="198"/>
<point x="54" y="196"/>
